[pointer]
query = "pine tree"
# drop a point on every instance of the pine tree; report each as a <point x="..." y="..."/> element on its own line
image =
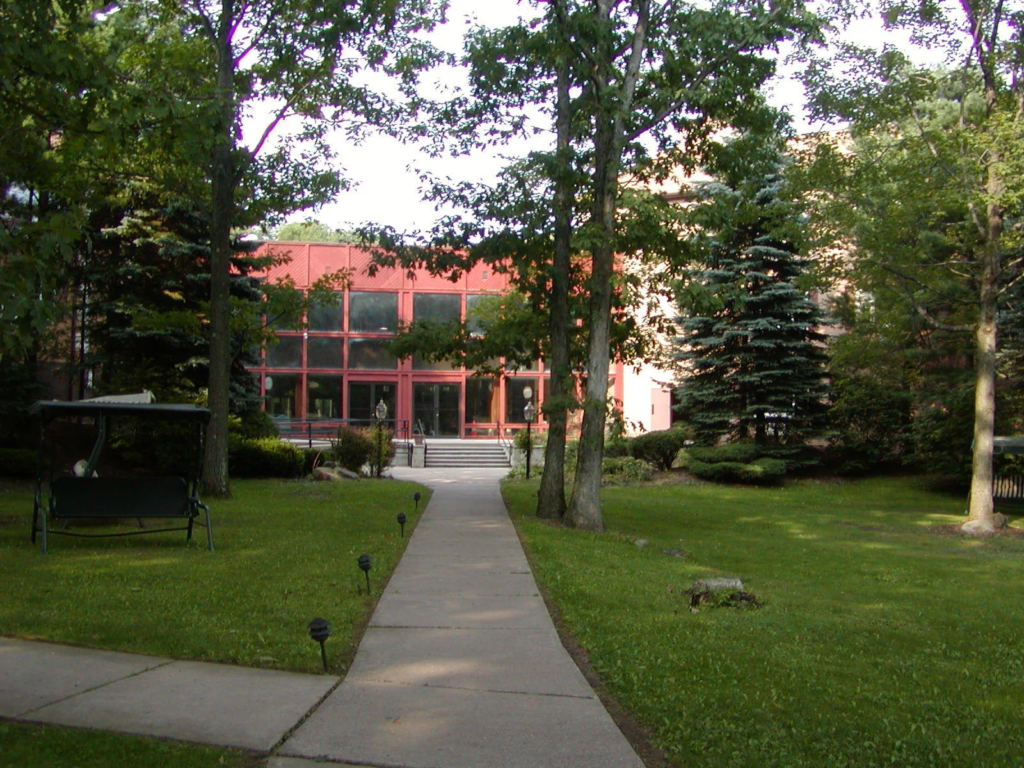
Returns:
<point x="751" y="338"/>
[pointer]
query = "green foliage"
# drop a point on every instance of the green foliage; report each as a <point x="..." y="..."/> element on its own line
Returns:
<point x="18" y="463"/>
<point x="311" y="459"/>
<point x="523" y="440"/>
<point x="254" y="425"/>
<point x="617" y="447"/>
<point x="264" y="458"/>
<point x="750" y="336"/>
<point x="353" y="448"/>
<point x="744" y="453"/>
<point x="735" y="463"/>
<point x="869" y="424"/>
<point x="627" y="468"/>
<point x="658" y="448"/>
<point x="383" y="450"/>
<point x="313" y="231"/>
<point x="18" y="390"/>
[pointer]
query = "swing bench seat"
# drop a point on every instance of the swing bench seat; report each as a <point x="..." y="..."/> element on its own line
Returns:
<point x="113" y="498"/>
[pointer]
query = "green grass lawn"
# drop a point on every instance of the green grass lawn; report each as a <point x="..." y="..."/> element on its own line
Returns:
<point x="882" y="641"/>
<point x="286" y="552"/>
<point x="37" y="746"/>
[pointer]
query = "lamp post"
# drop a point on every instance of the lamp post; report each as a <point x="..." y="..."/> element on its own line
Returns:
<point x="529" y="413"/>
<point x="381" y="411"/>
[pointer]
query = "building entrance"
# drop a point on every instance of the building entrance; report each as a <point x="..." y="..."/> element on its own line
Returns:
<point x="435" y="410"/>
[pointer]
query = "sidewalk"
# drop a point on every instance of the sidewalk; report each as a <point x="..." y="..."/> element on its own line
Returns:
<point x="460" y="667"/>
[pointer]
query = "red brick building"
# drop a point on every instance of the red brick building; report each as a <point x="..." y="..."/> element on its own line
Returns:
<point x="339" y="368"/>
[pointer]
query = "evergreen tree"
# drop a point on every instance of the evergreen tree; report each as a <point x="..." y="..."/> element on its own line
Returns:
<point x="750" y="334"/>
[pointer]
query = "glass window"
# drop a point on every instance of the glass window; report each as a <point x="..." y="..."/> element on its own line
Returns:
<point x="482" y="401"/>
<point x="323" y="397"/>
<point x="285" y="353"/>
<point x="323" y="352"/>
<point x="372" y="312"/>
<point x="437" y="307"/>
<point x="363" y="397"/>
<point x="326" y="317"/>
<point x="370" y="354"/>
<point x="280" y="391"/>
<point x="515" y="399"/>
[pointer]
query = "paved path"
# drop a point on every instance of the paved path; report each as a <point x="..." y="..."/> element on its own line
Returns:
<point x="460" y="667"/>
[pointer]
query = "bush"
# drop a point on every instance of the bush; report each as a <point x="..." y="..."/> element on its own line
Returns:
<point x="352" y="448"/>
<point x="18" y="463"/>
<point x="763" y="471"/>
<point x="383" y="450"/>
<point x="735" y="463"/>
<point x="311" y="459"/>
<point x="658" y="448"/>
<point x="627" y="468"/>
<point x="268" y="457"/>
<point x="737" y="453"/>
<point x="616" y="447"/>
<point x="523" y="440"/>
<point x="717" y="472"/>
<point x="254" y="425"/>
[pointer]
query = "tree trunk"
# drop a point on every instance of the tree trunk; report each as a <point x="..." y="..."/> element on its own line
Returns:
<point x="215" y="462"/>
<point x="980" y="509"/>
<point x="551" y="497"/>
<point x="585" y="505"/>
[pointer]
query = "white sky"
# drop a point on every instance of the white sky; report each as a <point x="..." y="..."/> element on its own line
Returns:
<point x="385" y="187"/>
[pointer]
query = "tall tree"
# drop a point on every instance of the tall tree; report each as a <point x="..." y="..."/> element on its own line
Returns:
<point x="629" y="85"/>
<point x="940" y="153"/>
<point x="299" y="61"/>
<point x="670" y="74"/>
<point x="751" y="342"/>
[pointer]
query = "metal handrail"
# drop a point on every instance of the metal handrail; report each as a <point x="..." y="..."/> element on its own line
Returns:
<point x="326" y="429"/>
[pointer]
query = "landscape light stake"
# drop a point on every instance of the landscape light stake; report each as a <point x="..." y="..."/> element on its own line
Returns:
<point x="364" y="564"/>
<point x="416" y="498"/>
<point x="320" y="630"/>
<point x="401" y="522"/>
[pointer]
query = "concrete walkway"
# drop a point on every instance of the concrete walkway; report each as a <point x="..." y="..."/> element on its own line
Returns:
<point x="460" y="667"/>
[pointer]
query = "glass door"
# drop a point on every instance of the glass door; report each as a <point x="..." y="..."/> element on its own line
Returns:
<point x="435" y="410"/>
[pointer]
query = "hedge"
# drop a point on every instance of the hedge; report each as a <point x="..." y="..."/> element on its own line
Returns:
<point x="267" y="457"/>
<point x="658" y="448"/>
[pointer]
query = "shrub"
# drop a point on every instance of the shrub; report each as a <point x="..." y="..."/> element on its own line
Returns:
<point x="268" y="457"/>
<point x="737" y="453"/>
<point x="352" y="448"/>
<point x="717" y="472"/>
<point x="627" y="468"/>
<point x="616" y="447"/>
<point x="382" y="450"/>
<point x="254" y="425"/>
<point x="658" y="448"/>
<point x="19" y="463"/>
<point x="763" y="471"/>
<point x="522" y="440"/>
<point x="311" y="459"/>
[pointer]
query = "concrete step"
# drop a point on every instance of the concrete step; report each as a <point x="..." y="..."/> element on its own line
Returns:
<point x="465" y="454"/>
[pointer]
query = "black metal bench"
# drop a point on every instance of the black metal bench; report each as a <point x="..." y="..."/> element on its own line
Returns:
<point x="111" y="498"/>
